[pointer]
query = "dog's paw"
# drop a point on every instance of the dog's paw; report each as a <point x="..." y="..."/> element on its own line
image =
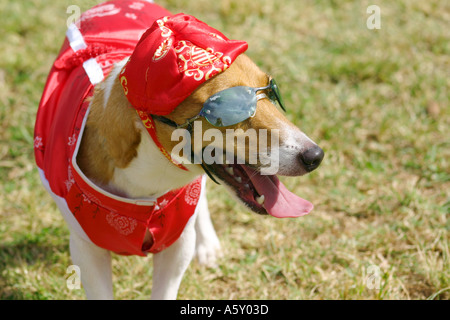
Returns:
<point x="208" y="252"/>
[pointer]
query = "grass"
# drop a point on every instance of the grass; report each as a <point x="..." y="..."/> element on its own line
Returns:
<point x="377" y="102"/>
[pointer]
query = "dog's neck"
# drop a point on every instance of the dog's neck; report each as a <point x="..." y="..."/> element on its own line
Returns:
<point x="118" y="154"/>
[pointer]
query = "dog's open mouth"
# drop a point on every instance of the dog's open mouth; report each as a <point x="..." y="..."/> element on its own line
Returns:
<point x="264" y="194"/>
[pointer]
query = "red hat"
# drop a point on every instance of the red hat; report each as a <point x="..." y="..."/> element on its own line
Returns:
<point x="172" y="58"/>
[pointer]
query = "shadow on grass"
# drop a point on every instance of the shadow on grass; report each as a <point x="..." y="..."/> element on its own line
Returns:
<point x="25" y="261"/>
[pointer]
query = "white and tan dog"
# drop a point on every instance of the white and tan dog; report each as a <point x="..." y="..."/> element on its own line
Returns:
<point x="117" y="155"/>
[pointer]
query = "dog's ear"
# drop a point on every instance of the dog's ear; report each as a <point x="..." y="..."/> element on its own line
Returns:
<point x="118" y="127"/>
<point x="111" y="137"/>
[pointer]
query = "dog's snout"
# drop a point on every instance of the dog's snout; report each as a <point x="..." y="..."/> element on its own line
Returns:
<point x="312" y="157"/>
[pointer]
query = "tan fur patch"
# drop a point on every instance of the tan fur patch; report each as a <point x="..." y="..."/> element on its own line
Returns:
<point x="110" y="138"/>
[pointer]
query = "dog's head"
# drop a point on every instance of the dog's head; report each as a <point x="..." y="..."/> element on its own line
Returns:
<point x="251" y="174"/>
<point x="232" y="100"/>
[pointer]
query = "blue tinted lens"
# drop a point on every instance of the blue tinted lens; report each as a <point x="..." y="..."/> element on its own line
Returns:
<point x="230" y="106"/>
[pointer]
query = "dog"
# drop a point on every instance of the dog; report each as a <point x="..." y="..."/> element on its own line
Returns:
<point x="128" y="76"/>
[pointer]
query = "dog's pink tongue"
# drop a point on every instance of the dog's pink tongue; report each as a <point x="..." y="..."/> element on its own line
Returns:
<point x="279" y="201"/>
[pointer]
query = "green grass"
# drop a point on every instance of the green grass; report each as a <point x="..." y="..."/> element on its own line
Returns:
<point x="377" y="102"/>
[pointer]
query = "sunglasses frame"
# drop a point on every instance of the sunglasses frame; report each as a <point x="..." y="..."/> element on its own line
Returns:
<point x="273" y="95"/>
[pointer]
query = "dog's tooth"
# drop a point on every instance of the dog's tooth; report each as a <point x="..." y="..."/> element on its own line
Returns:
<point x="230" y="170"/>
<point x="238" y="179"/>
<point x="247" y="186"/>
<point x="260" y="199"/>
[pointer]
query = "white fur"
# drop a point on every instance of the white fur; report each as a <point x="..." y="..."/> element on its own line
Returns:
<point x="151" y="173"/>
<point x="292" y="142"/>
<point x="95" y="267"/>
<point x="207" y="248"/>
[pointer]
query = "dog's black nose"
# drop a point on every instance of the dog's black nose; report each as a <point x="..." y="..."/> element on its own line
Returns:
<point x="312" y="157"/>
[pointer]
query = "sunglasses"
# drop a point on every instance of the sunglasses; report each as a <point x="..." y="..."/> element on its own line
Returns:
<point x="229" y="107"/>
<point x="233" y="105"/>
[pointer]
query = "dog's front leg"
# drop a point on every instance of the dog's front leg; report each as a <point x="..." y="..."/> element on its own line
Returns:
<point x="170" y="264"/>
<point x="207" y="244"/>
<point x="95" y="268"/>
